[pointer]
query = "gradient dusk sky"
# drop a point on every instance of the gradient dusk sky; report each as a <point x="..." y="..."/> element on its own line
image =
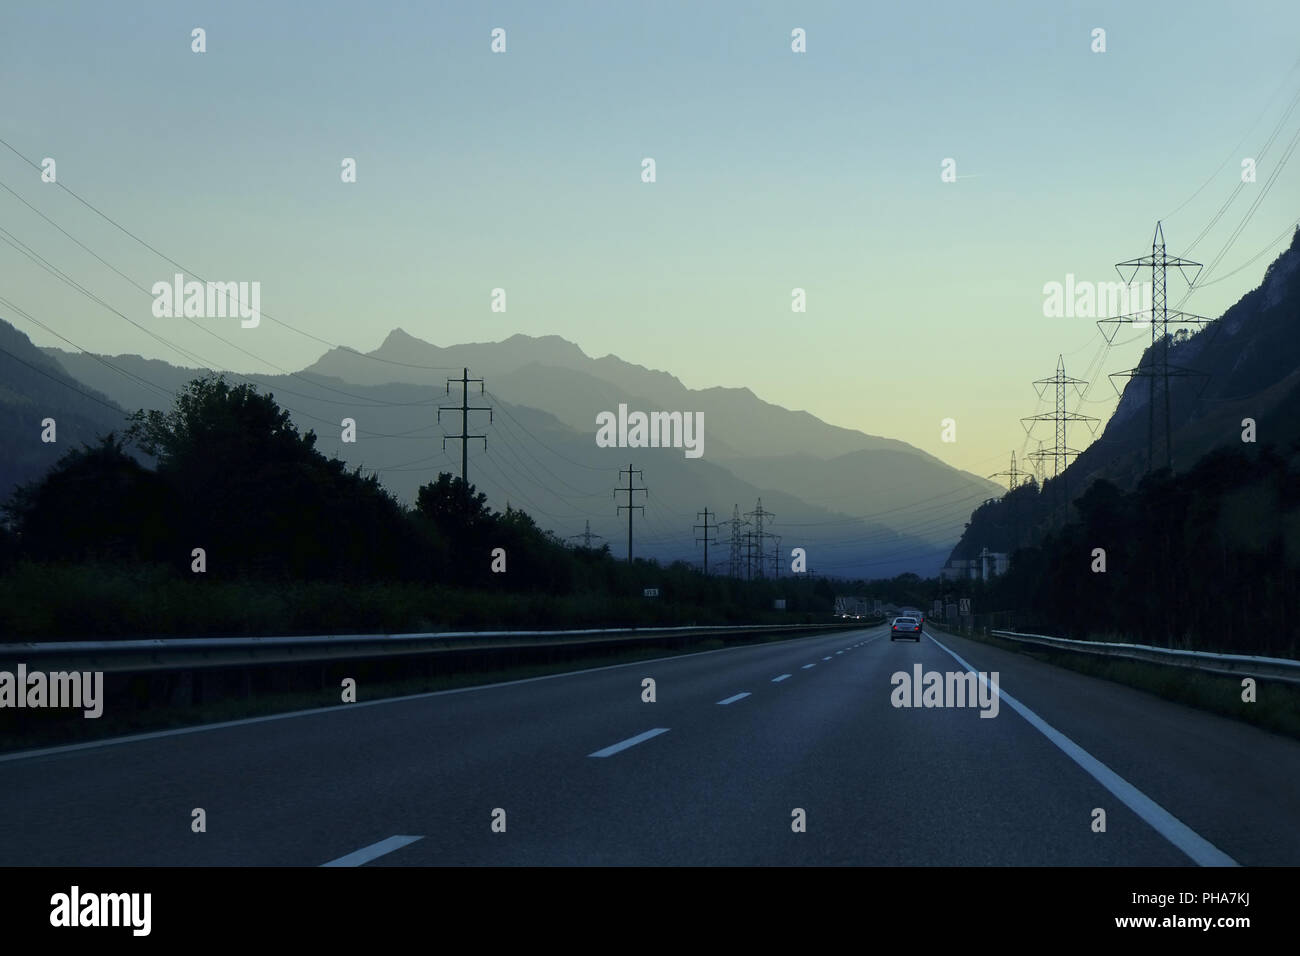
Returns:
<point x="775" y="170"/>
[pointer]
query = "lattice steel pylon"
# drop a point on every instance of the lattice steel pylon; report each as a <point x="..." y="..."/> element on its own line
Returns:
<point x="586" y="535"/>
<point x="1060" y="452"/>
<point x="734" y="564"/>
<point x="1015" y="477"/>
<point x="1156" y="367"/>
<point x="756" y="539"/>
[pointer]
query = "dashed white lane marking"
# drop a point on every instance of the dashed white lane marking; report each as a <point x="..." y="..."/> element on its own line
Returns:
<point x="733" y="698"/>
<point x="368" y="853"/>
<point x="630" y="742"/>
<point x="839" y="652"/>
<point x="806" y="666"/>
<point x="825" y="658"/>
<point x="1201" y="850"/>
<point x="361" y="704"/>
<point x="777" y="680"/>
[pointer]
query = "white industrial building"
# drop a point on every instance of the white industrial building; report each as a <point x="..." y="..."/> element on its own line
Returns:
<point x="980" y="568"/>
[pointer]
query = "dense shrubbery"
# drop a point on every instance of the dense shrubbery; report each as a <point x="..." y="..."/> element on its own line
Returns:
<point x="295" y="542"/>
<point x="1209" y="559"/>
<point x="99" y="601"/>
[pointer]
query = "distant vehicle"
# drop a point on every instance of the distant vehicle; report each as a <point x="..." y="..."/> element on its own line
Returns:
<point x="905" y="627"/>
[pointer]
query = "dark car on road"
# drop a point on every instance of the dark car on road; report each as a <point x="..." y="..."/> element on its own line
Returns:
<point x="905" y="627"/>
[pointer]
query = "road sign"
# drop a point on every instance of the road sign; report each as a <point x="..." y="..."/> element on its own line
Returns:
<point x="965" y="607"/>
<point x="651" y="592"/>
<point x="938" y="609"/>
<point x="778" y="604"/>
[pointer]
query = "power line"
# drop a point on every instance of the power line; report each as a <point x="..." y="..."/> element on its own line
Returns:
<point x="107" y="364"/>
<point x="64" y="383"/>
<point x="1236" y="149"/>
<point x="185" y="269"/>
<point x="203" y="363"/>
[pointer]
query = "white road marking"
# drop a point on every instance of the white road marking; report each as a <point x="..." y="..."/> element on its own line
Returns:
<point x="733" y="698"/>
<point x="1201" y="850"/>
<point x="806" y="666"/>
<point x="361" y="704"/>
<point x="368" y="853"/>
<point x="630" y="742"/>
<point x="839" y="652"/>
<point x="777" y="680"/>
<point x="825" y="658"/>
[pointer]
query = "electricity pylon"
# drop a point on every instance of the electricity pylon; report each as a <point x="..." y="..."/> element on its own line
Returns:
<point x="1155" y="367"/>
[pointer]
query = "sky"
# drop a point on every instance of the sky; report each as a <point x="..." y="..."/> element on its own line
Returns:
<point x="774" y="170"/>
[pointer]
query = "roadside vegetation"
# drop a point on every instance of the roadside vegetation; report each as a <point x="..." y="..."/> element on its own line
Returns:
<point x="219" y="518"/>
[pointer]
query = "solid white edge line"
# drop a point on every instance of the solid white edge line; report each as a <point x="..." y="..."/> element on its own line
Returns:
<point x="341" y="708"/>
<point x="732" y="699"/>
<point x="630" y="742"/>
<point x="368" y="853"/>
<point x="1201" y="850"/>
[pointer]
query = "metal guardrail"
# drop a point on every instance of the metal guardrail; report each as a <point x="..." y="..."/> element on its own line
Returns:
<point x="186" y="653"/>
<point x="1274" y="668"/>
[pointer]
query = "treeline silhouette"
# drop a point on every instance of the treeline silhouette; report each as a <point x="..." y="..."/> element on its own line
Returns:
<point x="226" y="471"/>
<point x="1206" y="559"/>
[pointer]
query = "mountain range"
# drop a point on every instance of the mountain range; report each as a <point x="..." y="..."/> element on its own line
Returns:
<point x="860" y="505"/>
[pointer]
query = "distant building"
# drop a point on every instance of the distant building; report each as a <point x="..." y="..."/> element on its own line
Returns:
<point x="980" y="568"/>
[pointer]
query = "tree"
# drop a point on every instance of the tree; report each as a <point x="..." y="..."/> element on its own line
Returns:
<point x="96" y="503"/>
<point x="456" y="513"/>
<point x="257" y="496"/>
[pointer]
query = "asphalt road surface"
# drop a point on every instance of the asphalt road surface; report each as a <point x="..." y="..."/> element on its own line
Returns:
<point x="712" y="772"/>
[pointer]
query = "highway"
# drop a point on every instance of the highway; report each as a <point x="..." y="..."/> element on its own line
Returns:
<point x="709" y="774"/>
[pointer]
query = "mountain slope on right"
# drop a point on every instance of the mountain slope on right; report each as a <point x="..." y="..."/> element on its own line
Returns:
<point x="1243" y="394"/>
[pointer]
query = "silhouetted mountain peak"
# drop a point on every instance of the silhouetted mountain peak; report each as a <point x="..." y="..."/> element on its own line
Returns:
<point x="399" y="339"/>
